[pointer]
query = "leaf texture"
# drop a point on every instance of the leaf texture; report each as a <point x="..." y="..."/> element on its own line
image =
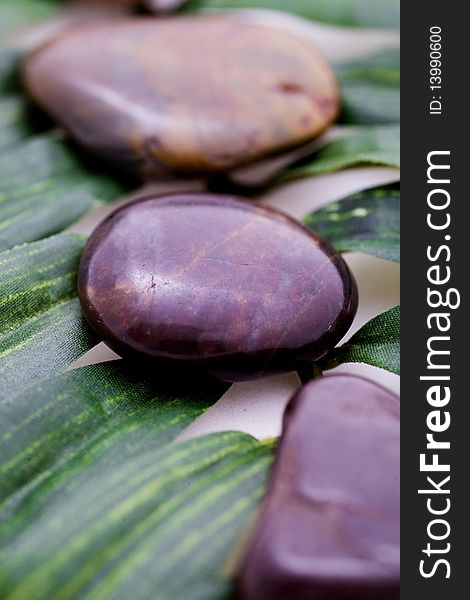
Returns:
<point x="41" y="326"/>
<point x="371" y="89"/>
<point x="16" y="16"/>
<point x="158" y="524"/>
<point x="377" y="343"/>
<point x="365" y="222"/>
<point x="352" y="13"/>
<point x="44" y="187"/>
<point x="115" y="409"/>
<point x="371" y="145"/>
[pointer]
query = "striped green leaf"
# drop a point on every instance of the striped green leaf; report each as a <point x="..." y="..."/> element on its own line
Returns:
<point x="41" y="326"/>
<point x="34" y="217"/>
<point x="353" y="13"/>
<point x="112" y="410"/>
<point x="16" y="16"/>
<point x="365" y="146"/>
<point x="377" y="343"/>
<point x="365" y="222"/>
<point x="44" y="345"/>
<point x="15" y="121"/>
<point x="159" y="524"/>
<point x="36" y="277"/>
<point x="44" y="187"/>
<point x="371" y="89"/>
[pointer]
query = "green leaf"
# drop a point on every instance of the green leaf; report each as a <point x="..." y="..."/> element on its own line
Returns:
<point x="377" y="343"/>
<point x="112" y="409"/>
<point x="41" y="326"/>
<point x="365" y="222"/>
<point x="365" y="146"/>
<point x="44" y="345"/>
<point x="39" y="215"/>
<point x="36" y="277"/>
<point x="16" y="16"/>
<point x="159" y="524"/>
<point x="371" y="89"/>
<point x="44" y="187"/>
<point x="16" y="13"/>
<point x="44" y="160"/>
<point x="10" y="56"/>
<point x="15" y="124"/>
<point x="360" y="13"/>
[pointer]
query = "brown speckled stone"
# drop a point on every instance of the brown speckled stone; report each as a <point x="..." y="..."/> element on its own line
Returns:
<point x="214" y="282"/>
<point x="330" y="525"/>
<point x="184" y="94"/>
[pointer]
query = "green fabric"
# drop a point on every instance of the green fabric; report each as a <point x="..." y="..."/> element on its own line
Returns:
<point x="111" y="409"/>
<point x="159" y="523"/>
<point x="15" y="123"/>
<point x="44" y="187"/>
<point x="15" y="17"/>
<point x="369" y="145"/>
<point x="377" y="343"/>
<point x="16" y="13"/>
<point x="41" y="326"/>
<point x="353" y="13"/>
<point x="365" y="222"/>
<point x="370" y="89"/>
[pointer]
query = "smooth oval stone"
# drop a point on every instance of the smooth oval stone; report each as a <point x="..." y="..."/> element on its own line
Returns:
<point x="330" y="524"/>
<point x="184" y="94"/>
<point x="214" y="282"/>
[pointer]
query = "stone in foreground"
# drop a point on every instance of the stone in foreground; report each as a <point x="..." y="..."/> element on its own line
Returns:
<point x="330" y="525"/>
<point x="184" y="94"/>
<point x="216" y="283"/>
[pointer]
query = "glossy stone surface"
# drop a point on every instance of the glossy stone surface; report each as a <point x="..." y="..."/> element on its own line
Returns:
<point x="184" y="94"/>
<point x="214" y="282"/>
<point x="330" y="525"/>
<point x="164" y="6"/>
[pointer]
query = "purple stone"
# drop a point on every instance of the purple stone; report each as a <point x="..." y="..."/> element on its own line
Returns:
<point x="330" y="525"/>
<point x="217" y="283"/>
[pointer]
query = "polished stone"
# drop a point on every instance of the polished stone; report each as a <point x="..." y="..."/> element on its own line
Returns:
<point x="190" y="94"/>
<point x="214" y="282"/>
<point x="330" y="525"/>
